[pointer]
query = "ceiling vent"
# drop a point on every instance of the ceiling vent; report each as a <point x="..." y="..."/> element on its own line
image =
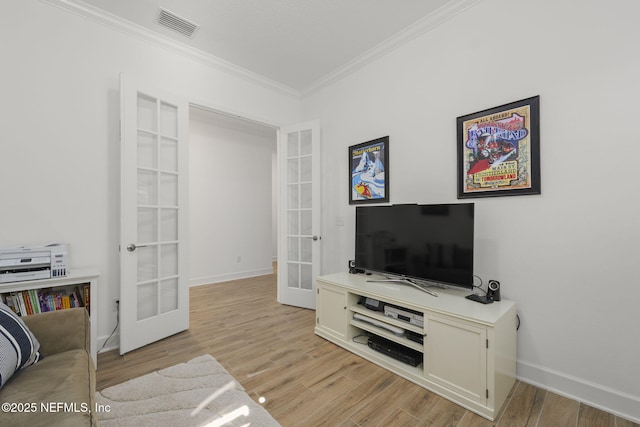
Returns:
<point x="176" y="23"/>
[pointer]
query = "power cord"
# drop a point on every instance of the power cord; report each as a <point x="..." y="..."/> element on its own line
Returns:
<point x="365" y="336"/>
<point x="114" y="329"/>
<point x="480" y="285"/>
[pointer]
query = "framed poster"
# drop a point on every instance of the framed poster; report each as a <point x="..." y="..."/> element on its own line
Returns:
<point x="499" y="150"/>
<point x="369" y="167"/>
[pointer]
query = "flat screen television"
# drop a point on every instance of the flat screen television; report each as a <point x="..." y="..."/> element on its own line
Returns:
<point x="424" y="243"/>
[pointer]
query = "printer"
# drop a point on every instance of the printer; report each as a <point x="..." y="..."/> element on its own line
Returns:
<point x="20" y="263"/>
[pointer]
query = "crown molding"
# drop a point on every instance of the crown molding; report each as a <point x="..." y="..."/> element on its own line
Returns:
<point x="422" y="26"/>
<point x="100" y="16"/>
<point x="429" y="22"/>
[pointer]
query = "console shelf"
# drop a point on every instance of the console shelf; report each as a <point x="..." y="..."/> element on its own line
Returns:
<point x="469" y="349"/>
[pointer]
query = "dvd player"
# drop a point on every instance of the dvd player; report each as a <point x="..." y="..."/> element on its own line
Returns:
<point x="395" y="350"/>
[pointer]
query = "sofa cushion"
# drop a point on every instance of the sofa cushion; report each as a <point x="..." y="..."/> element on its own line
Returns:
<point x="64" y="383"/>
<point x="18" y="346"/>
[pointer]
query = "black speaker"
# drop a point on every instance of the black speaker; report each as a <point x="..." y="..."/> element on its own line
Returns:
<point x="493" y="291"/>
<point x="352" y="266"/>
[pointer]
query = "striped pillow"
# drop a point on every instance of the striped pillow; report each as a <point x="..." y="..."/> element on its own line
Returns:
<point x="18" y="346"/>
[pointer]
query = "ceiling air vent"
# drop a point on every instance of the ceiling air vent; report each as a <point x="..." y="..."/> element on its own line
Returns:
<point x="176" y="23"/>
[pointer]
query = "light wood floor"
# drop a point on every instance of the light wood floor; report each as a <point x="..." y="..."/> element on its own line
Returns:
<point x="307" y="381"/>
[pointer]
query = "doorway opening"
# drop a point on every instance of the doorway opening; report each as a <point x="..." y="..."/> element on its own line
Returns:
<point x="232" y="197"/>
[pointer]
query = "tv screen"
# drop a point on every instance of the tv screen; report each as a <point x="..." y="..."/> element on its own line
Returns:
<point x="431" y="243"/>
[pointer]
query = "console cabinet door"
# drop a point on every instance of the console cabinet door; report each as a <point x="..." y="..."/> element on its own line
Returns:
<point x="456" y="356"/>
<point x="331" y="310"/>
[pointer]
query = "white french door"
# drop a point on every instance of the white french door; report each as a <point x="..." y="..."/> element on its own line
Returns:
<point x="299" y="246"/>
<point x="154" y="297"/>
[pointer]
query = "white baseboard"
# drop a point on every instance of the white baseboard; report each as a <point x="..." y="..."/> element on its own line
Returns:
<point x="199" y="281"/>
<point x="599" y="396"/>
<point x="113" y="344"/>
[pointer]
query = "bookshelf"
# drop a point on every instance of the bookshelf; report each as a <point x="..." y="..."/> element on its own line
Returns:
<point x="57" y="294"/>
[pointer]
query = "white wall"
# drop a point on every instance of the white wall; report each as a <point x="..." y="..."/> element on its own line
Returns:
<point x="567" y="257"/>
<point x="230" y="199"/>
<point x="59" y="149"/>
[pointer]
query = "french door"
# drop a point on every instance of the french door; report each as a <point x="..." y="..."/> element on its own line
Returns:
<point x="154" y="298"/>
<point x="299" y="225"/>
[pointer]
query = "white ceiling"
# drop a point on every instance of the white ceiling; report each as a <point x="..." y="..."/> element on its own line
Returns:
<point x="296" y="43"/>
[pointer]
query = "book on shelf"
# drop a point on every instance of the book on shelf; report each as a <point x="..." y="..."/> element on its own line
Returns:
<point x="34" y="301"/>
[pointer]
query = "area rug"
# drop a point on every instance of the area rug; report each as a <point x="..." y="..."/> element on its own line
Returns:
<point x="196" y="393"/>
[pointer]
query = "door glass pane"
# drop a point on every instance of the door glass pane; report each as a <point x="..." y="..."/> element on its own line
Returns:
<point x="292" y="171"/>
<point x="147" y="263"/>
<point x="169" y="225"/>
<point x="305" y="223"/>
<point x="147" y="300"/>
<point x="305" y="196"/>
<point x="147" y="187"/>
<point x="168" y="260"/>
<point x="292" y="144"/>
<point x="306" y="280"/>
<point x="168" y="295"/>
<point x="147" y="113"/>
<point x="293" y="275"/>
<point x="147" y="154"/>
<point x="147" y="225"/>
<point x="294" y="250"/>
<point x="168" y="189"/>
<point x="305" y="169"/>
<point x="169" y="155"/>
<point x="305" y="249"/>
<point x="168" y="120"/>
<point x="294" y="223"/>
<point x="293" y="197"/>
<point x="305" y="142"/>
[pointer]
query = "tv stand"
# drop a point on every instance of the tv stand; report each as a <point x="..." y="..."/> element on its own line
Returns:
<point x="417" y="285"/>
<point x="468" y="350"/>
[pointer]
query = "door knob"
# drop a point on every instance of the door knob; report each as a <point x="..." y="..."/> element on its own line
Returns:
<point x="132" y="247"/>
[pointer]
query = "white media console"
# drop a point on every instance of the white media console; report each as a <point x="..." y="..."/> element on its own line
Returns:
<point x="468" y="349"/>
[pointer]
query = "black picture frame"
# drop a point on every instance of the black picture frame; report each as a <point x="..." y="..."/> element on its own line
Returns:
<point x="369" y="172"/>
<point x="499" y="150"/>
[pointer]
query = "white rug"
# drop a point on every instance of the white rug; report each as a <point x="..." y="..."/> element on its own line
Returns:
<point x="197" y="393"/>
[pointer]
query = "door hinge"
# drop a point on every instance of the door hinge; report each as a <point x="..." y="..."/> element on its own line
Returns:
<point x="317" y="320"/>
<point x="487" y="343"/>
<point x="487" y="393"/>
<point x="318" y="290"/>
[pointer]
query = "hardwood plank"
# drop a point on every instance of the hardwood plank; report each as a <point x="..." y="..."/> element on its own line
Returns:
<point x="621" y="422"/>
<point x="399" y="418"/>
<point x="420" y="403"/>
<point x="558" y="411"/>
<point x="377" y="408"/>
<point x="524" y="407"/>
<point x="589" y="416"/>
<point x="469" y="419"/>
<point x="307" y="381"/>
<point x="443" y="414"/>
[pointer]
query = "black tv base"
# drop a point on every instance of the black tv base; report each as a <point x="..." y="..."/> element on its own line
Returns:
<point x="479" y="298"/>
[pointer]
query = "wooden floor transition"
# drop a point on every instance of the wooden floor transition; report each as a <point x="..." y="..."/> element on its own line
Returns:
<point x="307" y="381"/>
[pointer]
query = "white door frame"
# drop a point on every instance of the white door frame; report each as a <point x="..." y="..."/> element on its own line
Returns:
<point x="241" y="116"/>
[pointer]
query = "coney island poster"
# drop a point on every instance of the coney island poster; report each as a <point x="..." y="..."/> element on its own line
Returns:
<point x="499" y="151"/>
<point x="368" y="164"/>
